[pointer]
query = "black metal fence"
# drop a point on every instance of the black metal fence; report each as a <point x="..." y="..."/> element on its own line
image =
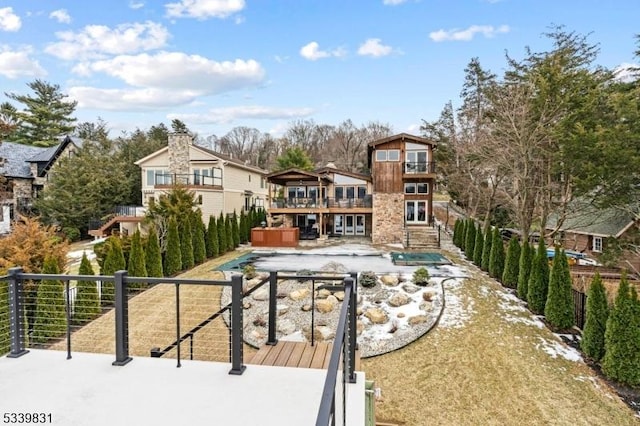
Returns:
<point x="579" y="308"/>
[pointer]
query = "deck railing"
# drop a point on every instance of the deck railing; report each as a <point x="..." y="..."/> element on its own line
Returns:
<point x="419" y="167"/>
<point x="319" y="203"/>
<point x="189" y="179"/>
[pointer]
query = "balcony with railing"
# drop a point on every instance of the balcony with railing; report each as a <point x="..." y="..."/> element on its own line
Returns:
<point x="419" y="167"/>
<point x="188" y="179"/>
<point x="321" y="203"/>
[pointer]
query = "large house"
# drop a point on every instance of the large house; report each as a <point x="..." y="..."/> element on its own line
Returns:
<point x="391" y="205"/>
<point x="25" y="171"/>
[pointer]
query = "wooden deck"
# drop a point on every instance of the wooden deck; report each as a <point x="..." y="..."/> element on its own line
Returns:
<point x="297" y="354"/>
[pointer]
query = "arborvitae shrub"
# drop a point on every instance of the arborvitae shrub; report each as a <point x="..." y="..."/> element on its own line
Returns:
<point x="486" y="250"/>
<point x="172" y="257"/>
<point x="86" y="305"/>
<point x="538" y="280"/>
<point x="456" y="232"/>
<point x="222" y="235"/>
<point x="186" y="243"/>
<point x="524" y="270"/>
<point x="511" y="267"/>
<point x="113" y="263"/>
<point x="137" y="266"/>
<point x="153" y="256"/>
<point x="197" y="229"/>
<point x="478" y="246"/>
<point x="470" y="239"/>
<point x="235" y="230"/>
<point x="212" y="238"/>
<point x="496" y="257"/>
<point x="50" y="316"/>
<point x="592" y="342"/>
<point x="243" y="228"/>
<point x="558" y="309"/>
<point x="621" y="359"/>
<point x="229" y="233"/>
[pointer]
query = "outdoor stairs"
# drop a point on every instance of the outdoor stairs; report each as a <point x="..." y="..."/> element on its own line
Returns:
<point x="422" y="238"/>
<point x="103" y="230"/>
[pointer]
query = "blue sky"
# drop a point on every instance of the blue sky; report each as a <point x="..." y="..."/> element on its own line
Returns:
<point x="217" y="64"/>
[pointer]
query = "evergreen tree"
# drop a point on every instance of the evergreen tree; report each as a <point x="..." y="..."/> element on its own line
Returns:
<point x="86" y="305"/>
<point x="137" y="266"/>
<point x="229" y="233"/>
<point x="235" y="230"/>
<point x="456" y="232"/>
<point x="470" y="239"/>
<point x="197" y="227"/>
<point x="173" y="255"/>
<point x="212" y="238"/>
<point x="538" y="280"/>
<point x="559" y="306"/>
<point x="153" y="257"/>
<point x="511" y="269"/>
<point x="478" y="247"/>
<point x="524" y="270"/>
<point x="186" y="243"/>
<point x="496" y="257"/>
<point x="486" y="250"/>
<point x="50" y="316"/>
<point x="621" y="359"/>
<point x="244" y="234"/>
<point x="294" y="157"/>
<point x="113" y="263"/>
<point x="592" y="343"/>
<point x="222" y="235"/>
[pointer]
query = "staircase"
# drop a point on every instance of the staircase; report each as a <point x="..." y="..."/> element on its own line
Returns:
<point x="421" y="238"/>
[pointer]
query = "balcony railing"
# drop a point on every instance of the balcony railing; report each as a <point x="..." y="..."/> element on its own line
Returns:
<point x="169" y="179"/>
<point x="311" y="203"/>
<point x="419" y="167"/>
<point x="130" y="211"/>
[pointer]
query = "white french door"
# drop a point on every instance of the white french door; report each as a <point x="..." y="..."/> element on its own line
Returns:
<point x="415" y="212"/>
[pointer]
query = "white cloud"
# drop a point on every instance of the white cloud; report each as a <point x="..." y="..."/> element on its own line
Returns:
<point x="393" y="2"/>
<point x="129" y="99"/>
<point x="204" y="9"/>
<point x="17" y="63"/>
<point x="95" y="41"/>
<point x="467" y="34"/>
<point x="9" y="21"/>
<point x="312" y="52"/>
<point x="61" y="15"/>
<point x="626" y="73"/>
<point x="230" y="114"/>
<point x="136" y="5"/>
<point x="374" y="47"/>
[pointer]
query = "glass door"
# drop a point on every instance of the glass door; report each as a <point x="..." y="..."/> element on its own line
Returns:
<point x="415" y="212"/>
<point x="338" y="225"/>
<point x="360" y="221"/>
<point x="349" y="225"/>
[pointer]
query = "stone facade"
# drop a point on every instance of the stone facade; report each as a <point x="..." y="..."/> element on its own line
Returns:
<point x="22" y="188"/>
<point x="388" y="218"/>
<point x="179" y="144"/>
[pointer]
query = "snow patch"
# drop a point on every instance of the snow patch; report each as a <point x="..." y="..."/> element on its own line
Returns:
<point x="455" y="314"/>
<point x="556" y="349"/>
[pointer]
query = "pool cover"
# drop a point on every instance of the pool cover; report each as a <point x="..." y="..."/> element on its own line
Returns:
<point x="415" y="259"/>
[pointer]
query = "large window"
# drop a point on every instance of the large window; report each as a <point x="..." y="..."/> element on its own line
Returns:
<point x="388" y="155"/>
<point x="416" y="162"/>
<point x="158" y="177"/>
<point x="350" y="192"/>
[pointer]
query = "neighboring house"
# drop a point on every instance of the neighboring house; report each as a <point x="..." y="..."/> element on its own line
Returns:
<point x="26" y="171"/>
<point x="588" y="229"/>
<point x="403" y="174"/>
<point x="326" y="201"/>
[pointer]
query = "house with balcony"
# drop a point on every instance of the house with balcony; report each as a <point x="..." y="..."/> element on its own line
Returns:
<point x="324" y="202"/>
<point x="25" y="171"/>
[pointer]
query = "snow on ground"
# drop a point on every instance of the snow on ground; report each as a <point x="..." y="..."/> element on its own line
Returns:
<point x="556" y="349"/>
<point x="77" y="255"/>
<point x="456" y="312"/>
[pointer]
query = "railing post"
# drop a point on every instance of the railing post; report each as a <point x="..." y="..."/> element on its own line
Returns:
<point x="273" y="293"/>
<point x="16" y="314"/>
<point x="122" y="319"/>
<point x="237" y="366"/>
<point x="350" y="338"/>
<point x="439" y="230"/>
<point x="67" y="308"/>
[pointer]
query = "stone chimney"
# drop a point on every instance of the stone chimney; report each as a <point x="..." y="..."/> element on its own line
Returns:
<point x="179" y="144"/>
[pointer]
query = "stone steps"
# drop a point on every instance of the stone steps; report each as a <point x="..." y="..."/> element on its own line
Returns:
<point x="421" y="238"/>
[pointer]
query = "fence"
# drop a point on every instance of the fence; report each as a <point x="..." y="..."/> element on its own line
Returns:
<point x="579" y="308"/>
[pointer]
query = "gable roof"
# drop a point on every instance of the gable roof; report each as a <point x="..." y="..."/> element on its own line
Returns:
<point x="589" y="220"/>
<point x="337" y="171"/>
<point x="403" y="137"/>
<point x="16" y="159"/>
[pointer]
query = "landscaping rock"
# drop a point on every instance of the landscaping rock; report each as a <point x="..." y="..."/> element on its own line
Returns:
<point x="260" y="295"/>
<point x="401" y="315"/>
<point x="426" y="306"/>
<point x="286" y="326"/>
<point x="258" y="335"/>
<point x="306" y="307"/>
<point x="339" y="295"/>
<point x="359" y="327"/>
<point x="410" y="288"/>
<point x="282" y="309"/>
<point x="428" y="295"/>
<point x="323" y="294"/>
<point x="399" y="299"/>
<point x="376" y="315"/>
<point x="389" y="280"/>
<point x="322" y="332"/>
<point x="324" y="306"/>
<point x="246" y="305"/>
<point x="418" y="319"/>
<point x="299" y="294"/>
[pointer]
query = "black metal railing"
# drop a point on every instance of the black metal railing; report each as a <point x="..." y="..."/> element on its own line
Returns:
<point x="190" y="179"/>
<point x="313" y="203"/>
<point x="419" y="167"/>
<point x="20" y="332"/>
<point x="579" y="308"/>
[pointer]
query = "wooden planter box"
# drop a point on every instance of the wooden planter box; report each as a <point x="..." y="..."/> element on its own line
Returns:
<point x="275" y="237"/>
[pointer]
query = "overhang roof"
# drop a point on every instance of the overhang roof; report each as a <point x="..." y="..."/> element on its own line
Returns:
<point x="281" y="177"/>
<point x="590" y="220"/>
<point x="403" y="137"/>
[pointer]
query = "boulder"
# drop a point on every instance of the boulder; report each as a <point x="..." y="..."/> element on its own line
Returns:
<point x="260" y="295"/>
<point x="418" y="319"/>
<point x="426" y="306"/>
<point x="322" y="332"/>
<point x="324" y="305"/>
<point x="399" y="299"/>
<point x="286" y="326"/>
<point x="428" y="295"/>
<point x="299" y="294"/>
<point x="389" y="280"/>
<point x="323" y="294"/>
<point x="339" y="295"/>
<point x="410" y="288"/>
<point x="376" y="315"/>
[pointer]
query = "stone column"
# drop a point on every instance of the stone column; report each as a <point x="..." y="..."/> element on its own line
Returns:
<point x="179" y="144"/>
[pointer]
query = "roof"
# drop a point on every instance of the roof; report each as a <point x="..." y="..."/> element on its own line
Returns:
<point x="343" y="172"/>
<point x="16" y="158"/>
<point x="402" y="136"/>
<point x="293" y="174"/>
<point x="588" y="219"/>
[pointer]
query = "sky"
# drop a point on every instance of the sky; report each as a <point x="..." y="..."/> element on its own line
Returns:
<point x="219" y="64"/>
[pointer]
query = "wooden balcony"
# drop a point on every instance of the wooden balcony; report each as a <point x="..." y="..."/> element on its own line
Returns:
<point x="419" y="169"/>
<point x="321" y="205"/>
<point x="297" y="355"/>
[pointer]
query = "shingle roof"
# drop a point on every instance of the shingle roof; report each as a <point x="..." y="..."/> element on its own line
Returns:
<point x="588" y="219"/>
<point x="16" y="159"/>
<point x="44" y="156"/>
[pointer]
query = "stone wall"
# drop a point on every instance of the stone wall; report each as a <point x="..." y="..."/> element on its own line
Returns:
<point x="22" y="189"/>
<point x="179" y="144"/>
<point x="388" y="218"/>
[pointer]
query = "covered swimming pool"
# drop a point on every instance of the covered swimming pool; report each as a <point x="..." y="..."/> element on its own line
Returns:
<point x="419" y="259"/>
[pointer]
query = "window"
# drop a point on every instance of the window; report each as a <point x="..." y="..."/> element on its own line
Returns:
<point x="416" y="212"/>
<point x="158" y="177"/>
<point x="409" y="188"/>
<point x="388" y="155"/>
<point x="423" y="188"/>
<point x="249" y="177"/>
<point x="416" y="162"/>
<point x="381" y="155"/>
<point x="339" y="192"/>
<point x="200" y="199"/>
<point x="351" y="192"/>
<point x="597" y="244"/>
<point x="261" y="182"/>
<point x="362" y="191"/>
<point x="259" y="202"/>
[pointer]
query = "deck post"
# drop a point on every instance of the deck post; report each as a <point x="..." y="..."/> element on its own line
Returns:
<point x="122" y="319"/>
<point x="237" y="366"/>
<point x="16" y="314"/>
<point x="273" y="293"/>
<point x="350" y="338"/>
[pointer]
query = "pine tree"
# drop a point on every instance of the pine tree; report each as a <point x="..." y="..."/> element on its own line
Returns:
<point x="486" y="250"/>
<point x="524" y="270"/>
<point x="212" y="238"/>
<point x="621" y="359"/>
<point x="592" y="343"/>
<point x="113" y="263"/>
<point x="470" y="240"/>
<point x="456" y="232"/>
<point x="229" y="233"/>
<point x="222" y="235"/>
<point x="137" y="266"/>
<point x="538" y="280"/>
<point x="243" y="228"/>
<point x="558" y="309"/>
<point x="186" y="244"/>
<point x="50" y="316"/>
<point x="197" y="228"/>
<point x="153" y="257"/>
<point x="511" y="268"/>
<point x="86" y="305"/>
<point x="478" y="247"/>
<point x="496" y="257"/>
<point x="235" y="230"/>
<point x="173" y="256"/>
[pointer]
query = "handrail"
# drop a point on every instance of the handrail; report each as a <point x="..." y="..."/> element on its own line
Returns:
<point x="327" y="202"/>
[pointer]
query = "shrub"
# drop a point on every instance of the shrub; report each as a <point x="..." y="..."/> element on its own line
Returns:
<point x="421" y="276"/>
<point x="244" y="228"/>
<point x="222" y="235"/>
<point x="50" y="317"/>
<point x="524" y="270"/>
<point x="71" y="233"/>
<point x="228" y="227"/>
<point x="511" y="268"/>
<point x="197" y="229"/>
<point x="368" y="279"/>
<point x="186" y="243"/>
<point x="137" y="266"/>
<point x="496" y="257"/>
<point x="249" y="271"/>
<point x="212" y="238"/>
<point x="172" y="257"/>
<point x="478" y="246"/>
<point x="153" y="257"/>
<point x="470" y="239"/>
<point x="592" y="342"/>
<point x="235" y="230"/>
<point x="538" y="280"/>
<point x="486" y="250"/>
<point x="86" y="305"/>
<point x="113" y="263"/>
<point x="559" y="306"/>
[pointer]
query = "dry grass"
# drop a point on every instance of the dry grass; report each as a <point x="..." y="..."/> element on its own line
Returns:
<point x="489" y="373"/>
